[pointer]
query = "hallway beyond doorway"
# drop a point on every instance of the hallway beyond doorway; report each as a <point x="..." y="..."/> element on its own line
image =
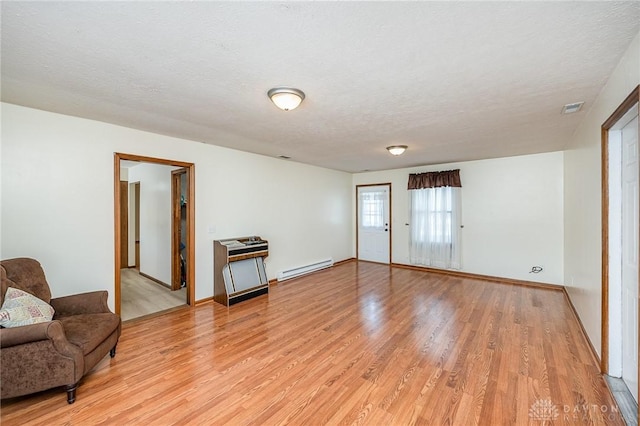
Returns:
<point x="141" y="296"/>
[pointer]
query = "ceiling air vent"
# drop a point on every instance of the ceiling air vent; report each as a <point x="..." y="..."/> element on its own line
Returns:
<point x="571" y="108"/>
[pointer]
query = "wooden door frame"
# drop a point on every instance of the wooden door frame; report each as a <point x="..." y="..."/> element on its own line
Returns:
<point x="124" y="223"/>
<point x="176" y="217"/>
<point x="136" y="236"/>
<point x="623" y="108"/>
<point x="190" y="167"/>
<point x="357" y="210"/>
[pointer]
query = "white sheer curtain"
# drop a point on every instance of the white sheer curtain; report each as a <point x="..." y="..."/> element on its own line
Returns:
<point x="435" y="227"/>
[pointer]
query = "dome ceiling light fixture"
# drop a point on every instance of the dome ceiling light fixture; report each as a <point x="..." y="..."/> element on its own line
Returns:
<point x="286" y="98"/>
<point x="397" y="149"/>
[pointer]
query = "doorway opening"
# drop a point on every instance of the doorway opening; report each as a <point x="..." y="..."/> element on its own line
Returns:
<point x="179" y="236"/>
<point x="135" y="240"/>
<point x="620" y="255"/>
<point x="373" y="222"/>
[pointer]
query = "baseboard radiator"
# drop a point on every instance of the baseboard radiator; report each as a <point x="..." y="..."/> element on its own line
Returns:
<point x="302" y="270"/>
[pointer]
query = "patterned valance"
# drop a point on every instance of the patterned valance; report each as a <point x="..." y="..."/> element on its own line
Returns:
<point x="435" y="179"/>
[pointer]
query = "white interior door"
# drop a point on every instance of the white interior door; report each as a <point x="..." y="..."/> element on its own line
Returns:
<point x="630" y="231"/>
<point x="374" y="226"/>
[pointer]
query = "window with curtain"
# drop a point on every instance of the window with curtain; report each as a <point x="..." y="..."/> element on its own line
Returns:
<point x="434" y="218"/>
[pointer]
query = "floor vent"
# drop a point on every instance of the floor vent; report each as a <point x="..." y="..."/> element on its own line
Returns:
<point x="301" y="270"/>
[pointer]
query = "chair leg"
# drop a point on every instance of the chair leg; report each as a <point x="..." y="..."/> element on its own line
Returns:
<point x="112" y="352"/>
<point x="71" y="393"/>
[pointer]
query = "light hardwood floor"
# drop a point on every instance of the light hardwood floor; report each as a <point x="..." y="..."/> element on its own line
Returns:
<point x="141" y="296"/>
<point x="359" y="343"/>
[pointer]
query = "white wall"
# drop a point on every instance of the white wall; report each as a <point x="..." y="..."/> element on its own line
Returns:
<point x="155" y="219"/>
<point x="511" y="211"/>
<point x="583" y="196"/>
<point x="57" y="199"/>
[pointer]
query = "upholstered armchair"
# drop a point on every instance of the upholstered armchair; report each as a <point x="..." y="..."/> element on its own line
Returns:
<point x="54" y="353"/>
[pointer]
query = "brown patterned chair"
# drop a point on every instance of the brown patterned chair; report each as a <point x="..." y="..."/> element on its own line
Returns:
<point x="59" y="352"/>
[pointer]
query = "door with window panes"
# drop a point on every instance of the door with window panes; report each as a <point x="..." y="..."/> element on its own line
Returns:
<point x="374" y="230"/>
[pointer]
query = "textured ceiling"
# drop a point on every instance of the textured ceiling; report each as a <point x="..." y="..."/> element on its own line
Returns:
<point x="453" y="80"/>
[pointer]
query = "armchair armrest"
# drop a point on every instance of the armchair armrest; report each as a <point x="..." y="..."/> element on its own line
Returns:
<point x="84" y="303"/>
<point x="24" y="334"/>
<point x="50" y="330"/>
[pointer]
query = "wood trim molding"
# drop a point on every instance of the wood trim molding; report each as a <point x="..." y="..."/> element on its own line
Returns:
<point x="154" y="314"/>
<point x="347" y="260"/>
<point x="622" y="109"/>
<point x="390" y="224"/>
<point x="390" y="217"/>
<point x="190" y="223"/>
<point x="116" y="233"/>
<point x="604" y="261"/>
<point x="203" y="301"/>
<point x="592" y="349"/>
<point x="191" y="231"/>
<point x="594" y="354"/>
<point x="176" y="217"/>
<point x="626" y="105"/>
<point x="124" y="223"/>
<point x="144" y="159"/>
<point x="499" y="280"/>
<point x="155" y="280"/>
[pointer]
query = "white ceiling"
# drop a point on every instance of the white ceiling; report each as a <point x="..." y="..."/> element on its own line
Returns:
<point x="453" y="80"/>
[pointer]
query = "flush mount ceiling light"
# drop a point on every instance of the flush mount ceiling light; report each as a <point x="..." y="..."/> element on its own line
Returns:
<point x="397" y="149"/>
<point x="286" y="98"/>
